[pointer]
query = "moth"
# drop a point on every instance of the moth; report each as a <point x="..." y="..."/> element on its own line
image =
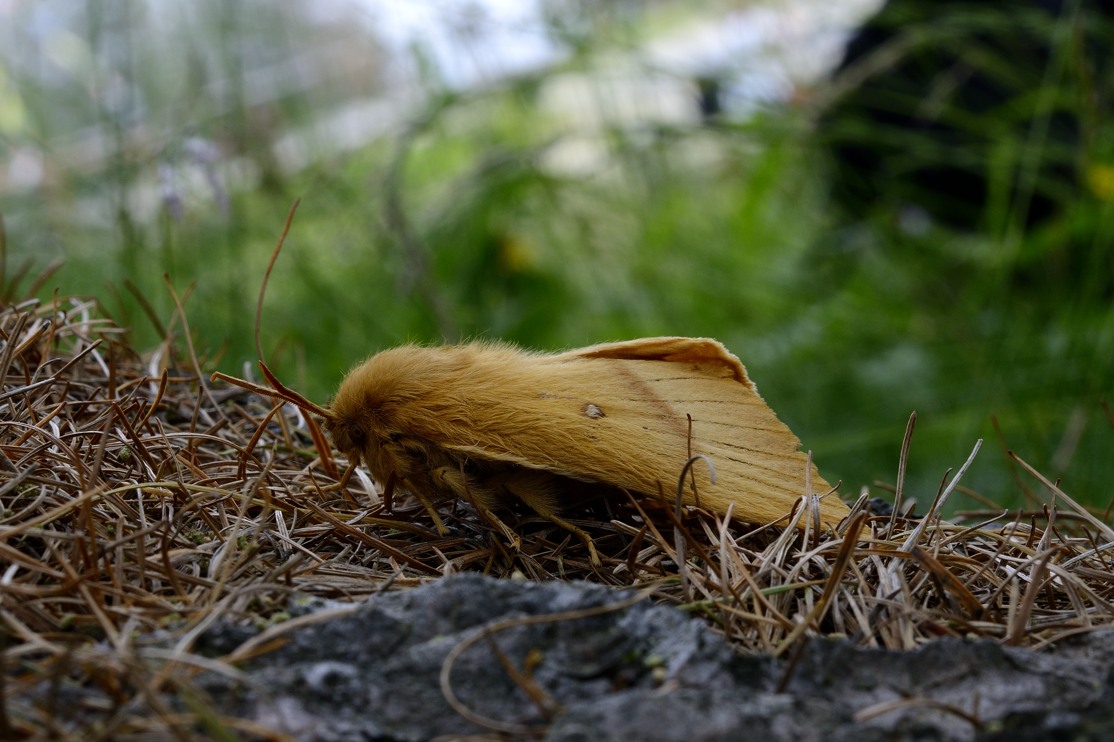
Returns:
<point x="492" y="423"/>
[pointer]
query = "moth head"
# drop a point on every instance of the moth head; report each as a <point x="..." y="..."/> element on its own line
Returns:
<point x="349" y="435"/>
<point x="355" y="423"/>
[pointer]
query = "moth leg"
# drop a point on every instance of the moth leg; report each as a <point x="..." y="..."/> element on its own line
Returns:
<point x="484" y="501"/>
<point x="514" y="538"/>
<point x="543" y="493"/>
<point x="428" y="505"/>
<point x="341" y="484"/>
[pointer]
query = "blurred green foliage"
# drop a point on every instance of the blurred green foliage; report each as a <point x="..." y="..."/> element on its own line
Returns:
<point x="483" y="217"/>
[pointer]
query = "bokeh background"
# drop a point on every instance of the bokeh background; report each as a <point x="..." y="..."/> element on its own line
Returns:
<point x="912" y="214"/>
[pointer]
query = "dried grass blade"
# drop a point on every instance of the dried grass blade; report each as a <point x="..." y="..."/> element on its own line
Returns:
<point x="938" y="503"/>
<point x="1019" y="619"/>
<point x="359" y="535"/>
<point x="951" y="584"/>
<point x="1103" y="528"/>
<point x="831" y="585"/>
<point x="902" y="464"/>
<point x="163" y="379"/>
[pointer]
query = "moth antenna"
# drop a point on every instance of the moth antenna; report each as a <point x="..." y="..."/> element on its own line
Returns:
<point x="244" y="384"/>
<point x="292" y="396"/>
<point x="279" y="391"/>
<point x="288" y="395"/>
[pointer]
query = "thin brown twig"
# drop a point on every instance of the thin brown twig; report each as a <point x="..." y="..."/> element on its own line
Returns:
<point x="493" y="628"/>
<point x="267" y="277"/>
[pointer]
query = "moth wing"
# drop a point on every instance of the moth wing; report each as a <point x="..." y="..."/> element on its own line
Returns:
<point x="709" y="356"/>
<point x="630" y="414"/>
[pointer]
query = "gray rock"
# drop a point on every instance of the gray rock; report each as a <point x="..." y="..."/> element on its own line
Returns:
<point x="646" y="672"/>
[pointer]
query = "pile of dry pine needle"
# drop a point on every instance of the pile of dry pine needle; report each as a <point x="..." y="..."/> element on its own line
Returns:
<point x="136" y="497"/>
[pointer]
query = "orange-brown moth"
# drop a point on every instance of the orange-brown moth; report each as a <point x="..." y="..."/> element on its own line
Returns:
<point x="492" y="423"/>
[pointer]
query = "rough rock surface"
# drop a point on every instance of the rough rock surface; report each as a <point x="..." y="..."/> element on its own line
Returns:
<point x="646" y="672"/>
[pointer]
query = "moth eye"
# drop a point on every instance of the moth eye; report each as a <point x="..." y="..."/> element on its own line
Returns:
<point x="593" y="411"/>
<point x="358" y="437"/>
<point x="394" y="437"/>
